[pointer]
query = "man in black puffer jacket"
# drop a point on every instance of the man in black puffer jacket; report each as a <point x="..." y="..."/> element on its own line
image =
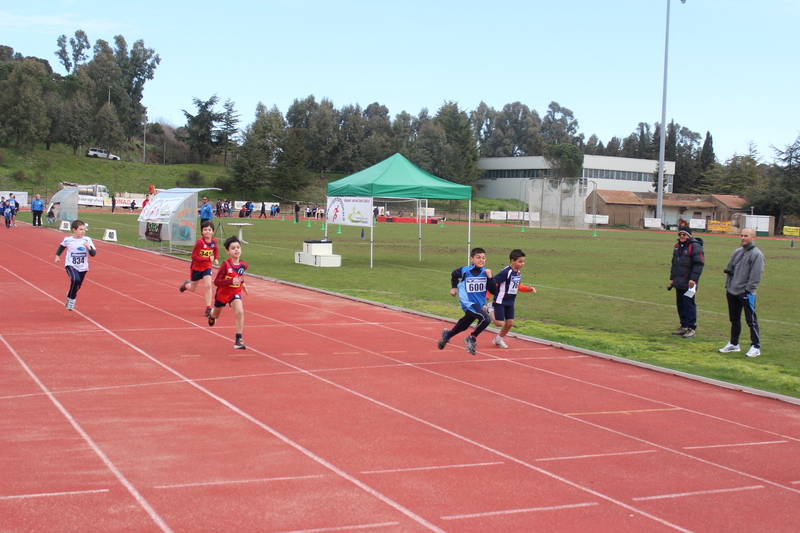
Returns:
<point x="687" y="265"/>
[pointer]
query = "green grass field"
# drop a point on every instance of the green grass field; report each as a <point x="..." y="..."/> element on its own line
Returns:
<point x="605" y="293"/>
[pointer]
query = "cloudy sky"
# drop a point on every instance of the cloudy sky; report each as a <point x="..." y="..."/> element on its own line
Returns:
<point x="733" y="64"/>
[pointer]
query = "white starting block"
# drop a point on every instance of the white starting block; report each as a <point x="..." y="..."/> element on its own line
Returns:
<point x="318" y="254"/>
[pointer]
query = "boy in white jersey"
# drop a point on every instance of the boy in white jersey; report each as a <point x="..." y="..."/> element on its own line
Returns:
<point x="76" y="262"/>
<point x="508" y="285"/>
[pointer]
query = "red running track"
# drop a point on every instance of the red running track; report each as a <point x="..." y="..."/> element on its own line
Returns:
<point x="131" y="414"/>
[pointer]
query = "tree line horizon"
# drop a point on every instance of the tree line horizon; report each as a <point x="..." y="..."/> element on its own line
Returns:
<point x="99" y="102"/>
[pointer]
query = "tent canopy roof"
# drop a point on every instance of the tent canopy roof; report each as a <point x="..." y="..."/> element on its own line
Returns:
<point x="397" y="177"/>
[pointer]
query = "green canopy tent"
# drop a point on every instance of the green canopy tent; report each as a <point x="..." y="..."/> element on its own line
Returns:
<point x="398" y="178"/>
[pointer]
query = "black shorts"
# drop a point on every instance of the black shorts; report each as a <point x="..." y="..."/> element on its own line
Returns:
<point x="217" y="303"/>
<point x="503" y="312"/>
<point x="197" y="275"/>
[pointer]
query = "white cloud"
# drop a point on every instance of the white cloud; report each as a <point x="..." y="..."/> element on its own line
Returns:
<point x="56" y="23"/>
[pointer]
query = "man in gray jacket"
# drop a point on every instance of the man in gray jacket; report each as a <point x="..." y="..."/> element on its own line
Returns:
<point x="744" y="274"/>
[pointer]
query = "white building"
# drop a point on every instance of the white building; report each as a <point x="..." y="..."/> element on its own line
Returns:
<point x="504" y="177"/>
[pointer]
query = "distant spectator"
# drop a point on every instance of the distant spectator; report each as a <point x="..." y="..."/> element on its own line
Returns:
<point x="37" y="207"/>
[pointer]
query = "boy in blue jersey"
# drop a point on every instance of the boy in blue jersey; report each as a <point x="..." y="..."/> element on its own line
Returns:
<point x="470" y="283"/>
<point x="8" y="211"/>
<point x="508" y="285"/>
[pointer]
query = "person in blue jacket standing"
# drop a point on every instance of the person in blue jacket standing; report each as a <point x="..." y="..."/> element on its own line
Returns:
<point x="37" y="208"/>
<point x="206" y="211"/>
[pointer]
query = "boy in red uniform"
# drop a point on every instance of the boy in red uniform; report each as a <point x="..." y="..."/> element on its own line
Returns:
<point x="230" y="283"/>
<point x="204" y="249"/>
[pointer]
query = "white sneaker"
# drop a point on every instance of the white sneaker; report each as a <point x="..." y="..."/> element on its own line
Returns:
<point x="753" y="352"/>
<point x="499" y="342"/>
<point x="70" y="305"/>
<point x="730" y="348"/>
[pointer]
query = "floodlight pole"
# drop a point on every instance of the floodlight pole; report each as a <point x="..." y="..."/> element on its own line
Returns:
<point x="663" y="137"/>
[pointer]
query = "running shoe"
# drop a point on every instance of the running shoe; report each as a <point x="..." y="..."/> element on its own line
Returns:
<point x="753" y="352"/>
<point x="499" y="342"/>
<point x="471" y="343"/>
<point x="690" y="333"/>
<point x="183" y="286"/>
<point x="239" y="344"/>
<point x="680" y="331"/>
<point x="212" y="321"/>
<point x="70" y="304"/>
<point x="443" y="340"/>
<point x="208" y="311"/>
<point x="728" y="348"/>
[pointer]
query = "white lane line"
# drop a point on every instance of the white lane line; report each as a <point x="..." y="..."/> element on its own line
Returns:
<point x="235" y="482"/>
<point x="516" y="511"/>
<point x="95" y="448"/>
<point x="342" y="528"/>
<point x="734" y="445"/>
<point x="48" y="494"/>
<point x="430" y="468"/>
<point x="593" y="455"/>
<point x="696" y="493"/>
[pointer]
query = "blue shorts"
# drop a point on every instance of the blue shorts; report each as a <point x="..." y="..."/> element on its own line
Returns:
<point x="217" y="303"/>
<point x="503" y="312"/>
<point x="197" y="275"/>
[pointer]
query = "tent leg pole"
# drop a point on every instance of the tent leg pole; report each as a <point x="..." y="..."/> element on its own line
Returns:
<point x="469" y="227"/>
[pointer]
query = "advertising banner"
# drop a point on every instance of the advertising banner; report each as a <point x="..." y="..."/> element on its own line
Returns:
<point x="349" y="211"/>
<point x="697" y="223"/>
<point x="716" y="225"/>
<point x="791" y="231"/>
<point x="96" y="201"/>
<point x="595" y="219"/>
<point x="652" y="223"/>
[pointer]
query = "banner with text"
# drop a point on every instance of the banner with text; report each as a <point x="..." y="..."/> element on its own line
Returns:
<point x="791" y="231"/>
<point x="349" y="211"/>
<point x="652" y="222"/>
<point x="697" y="223"/>
<point x="716" y="225"/>
<point x="595" y="219"/>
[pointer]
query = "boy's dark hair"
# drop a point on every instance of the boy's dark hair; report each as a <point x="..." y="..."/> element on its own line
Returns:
<point x="231" y="240"/>
<point x="77" y="224"/>
<point x="206" y="224"/>
<point x="516" y="254"/>
<point x="476" y="251"/>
